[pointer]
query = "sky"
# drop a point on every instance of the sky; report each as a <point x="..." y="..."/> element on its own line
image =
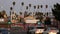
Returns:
<point x="6" y="4"/>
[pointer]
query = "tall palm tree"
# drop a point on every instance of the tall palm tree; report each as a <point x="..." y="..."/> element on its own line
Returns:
<point x="29" y="6"/>
<point x="56" y="11"/>
<point x="14" y="3"/>
<point x="38" y="7"/>
<point x="11" y="8"/>
<point x="34" y="7"/>
<point x="22" y="3"/>
<point x="46" y="6"/>
<point x="26" y="7"/>
<point x="20" y="13"/>
<point x="41" y="6"/>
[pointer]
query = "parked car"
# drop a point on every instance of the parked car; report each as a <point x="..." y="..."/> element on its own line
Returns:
<point x="36" y="30"/>
<point x="51" y="30"/>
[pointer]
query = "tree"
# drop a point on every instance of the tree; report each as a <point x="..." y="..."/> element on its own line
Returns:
<point x="29" y="5"/>
<point x="46" y="6"/>
<point x="26" y="7"/>
<point x="34" y="7"/>
<point x="22" y="3"/>
<point x="20" y="13"/>
<point x="56" y="11"/>
<point x="11" y="8"/>
<point x="13" y="3"/>
<point x="41" y="6"/>
<point x="38" y="7"/>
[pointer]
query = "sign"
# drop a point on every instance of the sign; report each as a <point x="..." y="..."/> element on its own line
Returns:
<point x="31" y="21"/>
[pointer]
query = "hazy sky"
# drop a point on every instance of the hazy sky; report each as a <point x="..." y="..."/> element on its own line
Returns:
<point x="6" y="4"/>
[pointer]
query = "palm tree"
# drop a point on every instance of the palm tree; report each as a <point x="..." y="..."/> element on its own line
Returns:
<point x="41" y="7"/>
<point x="26" y="7"/>
<point x="56" y="11"/>
<point x="25" y="13"/>
<point x="34" y="7"/>
<point x="14" y="3"/>
<point x="38" y="7"/>
<point x="29" y="6"/>
<point x="46" y="6"/>
<point x="20" y="13"/>
<point x="11" y="10"/>
<point x="22" y="3"/>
